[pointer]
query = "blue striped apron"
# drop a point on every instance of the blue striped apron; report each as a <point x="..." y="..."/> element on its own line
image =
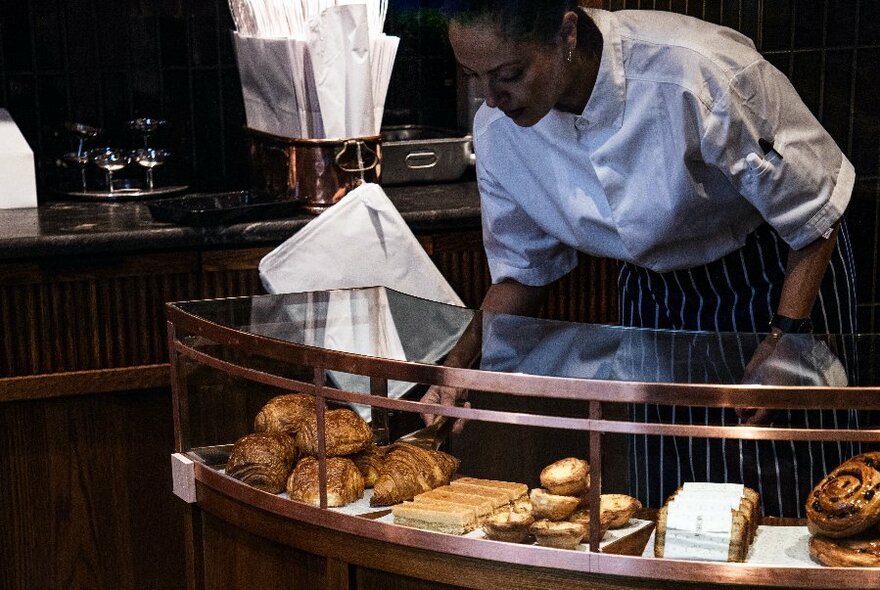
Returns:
<point x="737" y="293"/>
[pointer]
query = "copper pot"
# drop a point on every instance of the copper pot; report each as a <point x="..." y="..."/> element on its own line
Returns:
<point x="316" y="173"/>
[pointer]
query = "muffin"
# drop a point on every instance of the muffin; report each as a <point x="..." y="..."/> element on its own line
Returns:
<point x="551" y="506"/>
<point x="562" y="535"/>
<point x="510" y="526"/>
<point x="566" y="477"/>
<point x="619" y="508"/>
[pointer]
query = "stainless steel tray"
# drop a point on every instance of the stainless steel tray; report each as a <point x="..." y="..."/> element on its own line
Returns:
<point x="123" y="190"/>
<point x="414" y="154"/>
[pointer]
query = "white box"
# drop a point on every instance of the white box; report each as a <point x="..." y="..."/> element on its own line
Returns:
<point x="18" y="179"/>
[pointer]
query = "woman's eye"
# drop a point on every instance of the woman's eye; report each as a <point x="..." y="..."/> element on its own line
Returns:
<point x="511" y="76"/>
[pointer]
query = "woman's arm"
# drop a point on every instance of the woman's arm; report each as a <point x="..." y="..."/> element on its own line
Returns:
<point x="508" y="297"/>
<point x="803" y="277"/>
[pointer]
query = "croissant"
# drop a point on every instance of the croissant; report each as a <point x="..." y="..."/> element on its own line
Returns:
<point x="262" y="460"/>
<point x="409" y="470"/>
<point x="847" y="500"/>
<point x="345" y="433"/>
<point x="345" y="484"/>
<point x="285" y="413"/>
<point x="369" y="463"/>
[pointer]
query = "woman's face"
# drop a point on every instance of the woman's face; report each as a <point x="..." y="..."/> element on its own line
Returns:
<point x="523" y="79"/>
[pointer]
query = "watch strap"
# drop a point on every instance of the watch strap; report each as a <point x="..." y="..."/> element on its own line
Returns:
<point x="789" y="325"/>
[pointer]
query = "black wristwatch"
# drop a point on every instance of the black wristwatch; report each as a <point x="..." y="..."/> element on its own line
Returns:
<point x="788" y="325"/>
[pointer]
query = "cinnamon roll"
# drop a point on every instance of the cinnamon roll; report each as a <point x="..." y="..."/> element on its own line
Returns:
<point x="847" y="500"/>
<point x="859" y="551"/>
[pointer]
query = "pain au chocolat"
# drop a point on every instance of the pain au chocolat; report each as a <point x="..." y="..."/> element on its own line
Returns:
<point x="345" y="484"/>
<point x="345" y="432"/>
<point x="847" y="500"/>
<point x="262" y="460"/>
<point x="285" y="413"/>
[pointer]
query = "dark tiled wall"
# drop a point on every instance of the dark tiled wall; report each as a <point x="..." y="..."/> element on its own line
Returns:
<point x="103" y="63"/>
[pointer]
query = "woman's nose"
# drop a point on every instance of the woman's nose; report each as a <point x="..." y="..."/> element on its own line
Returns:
<point x="494" y="97"/>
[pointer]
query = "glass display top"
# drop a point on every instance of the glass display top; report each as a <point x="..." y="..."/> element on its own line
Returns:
<point x="384" y="323"/>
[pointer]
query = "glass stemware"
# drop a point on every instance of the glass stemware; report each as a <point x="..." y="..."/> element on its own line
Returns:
<point x="150" y="158"/>
<point x="110" y="160"/>
<point x="146" y="126"/>
<point x="79" y="159"/>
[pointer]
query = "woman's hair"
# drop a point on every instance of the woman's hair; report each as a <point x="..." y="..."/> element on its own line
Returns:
<point x="521" y="20"/>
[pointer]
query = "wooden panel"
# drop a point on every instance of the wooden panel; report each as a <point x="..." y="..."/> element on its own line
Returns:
<point x="370" y="579"/>
<point x="231" y="273"/>
<point x="86" y="493"/>
<point x="234" y="558"/>
<point x="84" y="382"/>
<point x="76" y="315"/>
<point x="400" y="563"/>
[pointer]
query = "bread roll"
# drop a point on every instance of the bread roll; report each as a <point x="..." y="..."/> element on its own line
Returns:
<point x="345" y="484"/>
<point x="262" y="460"/>
<point x="345" y="433"/>
<point x="847" y="500"/>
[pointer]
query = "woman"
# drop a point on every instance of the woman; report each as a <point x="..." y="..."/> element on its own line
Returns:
<point x="671" y="145"/>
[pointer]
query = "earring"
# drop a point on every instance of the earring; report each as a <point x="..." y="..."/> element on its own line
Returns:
<point x="570" y="55"/>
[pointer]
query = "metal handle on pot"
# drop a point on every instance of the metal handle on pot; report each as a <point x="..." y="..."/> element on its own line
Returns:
<point x="359" y="145"/>
<point x="419" y="160"/>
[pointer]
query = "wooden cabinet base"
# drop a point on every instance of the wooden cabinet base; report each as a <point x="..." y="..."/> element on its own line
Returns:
<point x="236" y="545"/>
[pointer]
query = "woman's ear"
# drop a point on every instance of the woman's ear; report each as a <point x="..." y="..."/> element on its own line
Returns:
<point x="568" y="31"/>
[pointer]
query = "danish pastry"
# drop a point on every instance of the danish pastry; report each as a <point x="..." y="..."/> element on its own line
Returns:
<point x="847" y="500"/>
<point x="859" y="551"/>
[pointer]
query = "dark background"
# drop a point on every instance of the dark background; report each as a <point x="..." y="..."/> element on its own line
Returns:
<point x="104" y="62"/>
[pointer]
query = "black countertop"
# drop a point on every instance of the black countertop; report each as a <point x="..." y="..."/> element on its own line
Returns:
<point x="63" y="228"/>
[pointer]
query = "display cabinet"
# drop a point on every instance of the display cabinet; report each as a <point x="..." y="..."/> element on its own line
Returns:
<point x="542" y="390"/>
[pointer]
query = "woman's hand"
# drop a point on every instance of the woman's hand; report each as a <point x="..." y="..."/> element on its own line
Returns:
<point x="754" y="373"/>
<point x="791" y="360"/>
<point x="446" y="396"/>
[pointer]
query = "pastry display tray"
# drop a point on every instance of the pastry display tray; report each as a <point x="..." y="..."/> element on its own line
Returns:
<point x="210" y="209"/>
<point x="774" y="546"/>
<point x="620" y="541"/>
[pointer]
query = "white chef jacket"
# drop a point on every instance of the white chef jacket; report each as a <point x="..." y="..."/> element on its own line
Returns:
<point x="663" y="168"/>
